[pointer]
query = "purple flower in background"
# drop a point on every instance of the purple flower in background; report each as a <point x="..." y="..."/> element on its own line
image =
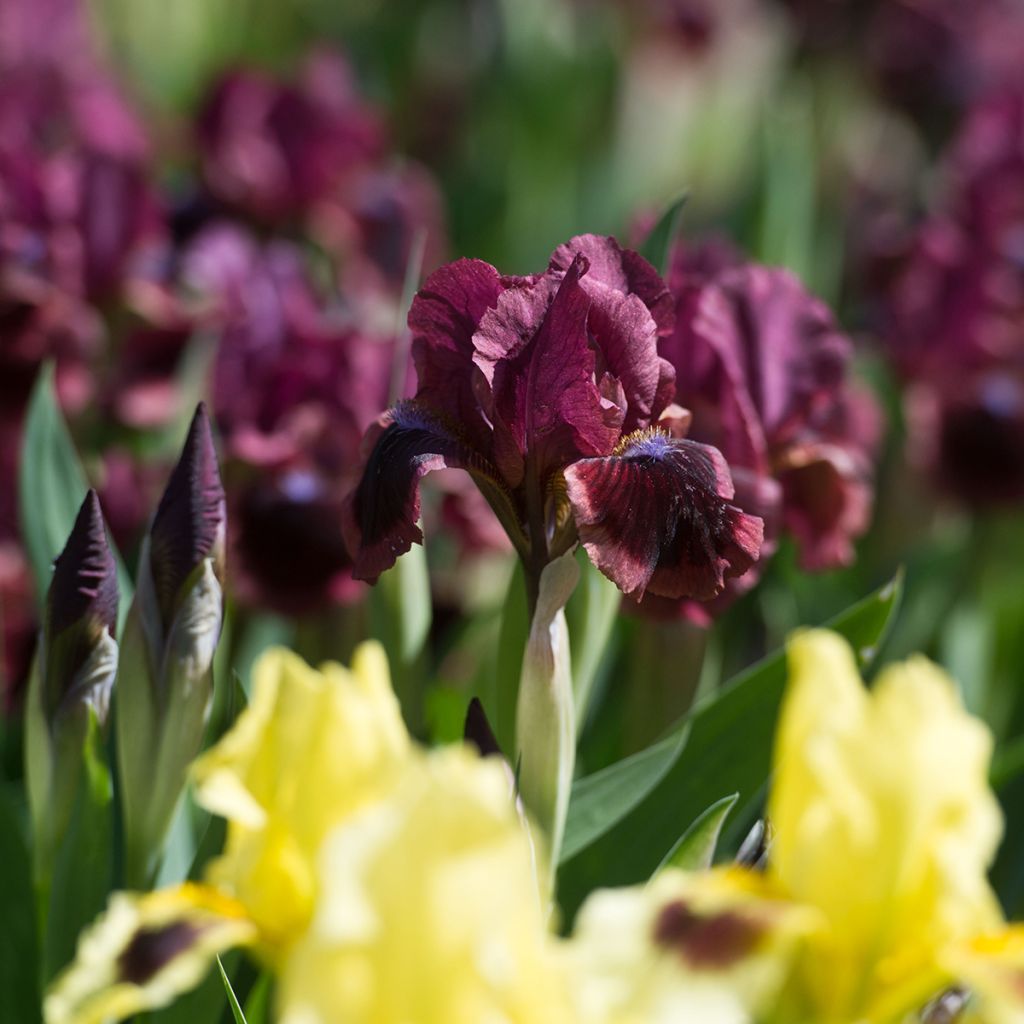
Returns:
<point x="274" y="151"/>
<point x="764" y="371"/>
<point x="549" y="390"/>
<point x="295" y="385"/>
<point x="954" y="320"/>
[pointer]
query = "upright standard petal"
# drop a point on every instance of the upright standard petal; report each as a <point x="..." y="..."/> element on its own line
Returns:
<point x="379" y="518"/>
<point x="884" y="823"/>
<point x="443" y="318"/>
<point x="430" y="910"/>
<point x="621" y="270"/>
<point x="655" y="516"/>
<point x="311" y="748"/>
<point x="533" y="349"/>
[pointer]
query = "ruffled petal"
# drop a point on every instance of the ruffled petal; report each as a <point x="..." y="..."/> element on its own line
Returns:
<point x="144" y="951"/>
<point x="443" y="318"/>
<point x="656" y="517"/>
<point x="622" y="270"/>
<point x="534" y="350"/>
<point x="379" y="518"/>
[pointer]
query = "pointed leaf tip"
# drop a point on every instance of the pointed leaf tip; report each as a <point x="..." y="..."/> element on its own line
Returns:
<point x="84" y="579"/>
<point x="190" y="520"/>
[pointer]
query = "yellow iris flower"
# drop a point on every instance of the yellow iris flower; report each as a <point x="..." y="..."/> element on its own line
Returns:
<point x="379" y="881"/>
<point x="874" y="900"/>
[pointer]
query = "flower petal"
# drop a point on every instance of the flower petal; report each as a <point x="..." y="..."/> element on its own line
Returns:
<point x="443" y="318"/>
<point x="144" y="951"/>
<point x="712" y="946"/>
<point x="379" y="517"/>
<point x="656" y="516"/>
<point x="534" y="349"/>
<point x="884" y="822"/>
<point x="622" y="270"/>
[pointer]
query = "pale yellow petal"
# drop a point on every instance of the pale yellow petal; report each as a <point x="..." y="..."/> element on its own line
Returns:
<point x="884" y="823"/>
<point x="312" y="747"/>
<point x="715" y="947"/>
<point x="430" y="911"/>
<point x="992" y="967"/>
<point x="145" y="950"/>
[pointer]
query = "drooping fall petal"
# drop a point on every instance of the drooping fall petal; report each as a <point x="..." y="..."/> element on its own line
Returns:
<point x="144" y="951"/>
<point x="656" y="517"/>
<point x="380" y="517"/>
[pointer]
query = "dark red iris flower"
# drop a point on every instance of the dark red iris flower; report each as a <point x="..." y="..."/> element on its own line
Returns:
<point x="274" y="150"/>
<point x="954" y="316"/>
<point x="549" y="390"/>
<point x="765" y="370"/>
<point x="294" y="387"/>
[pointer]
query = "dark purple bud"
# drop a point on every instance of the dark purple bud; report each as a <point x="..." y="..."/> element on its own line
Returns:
<point x="656" y="517"/>
<point x="478" y="730"/>
<point x="84" y="580"/>
<point x="189" y="523"/>
<point x="81" y="603"/>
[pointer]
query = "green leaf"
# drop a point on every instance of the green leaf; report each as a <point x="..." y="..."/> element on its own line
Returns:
<point x="236" y="1010"/>
<point x="400" y="611"/>
<point x="82" y="874"/>
<point x="257" y="1005"/>
<point x="728" y="751"/>
<point x="19" y="972"/>
<point x="52" y="486"/>
<point x="695" y="850"/>
<point x="591" y="614"/>
<point x="601" y="800"/>
<point x="657" y="246"/>
<point x="500" y="699"/>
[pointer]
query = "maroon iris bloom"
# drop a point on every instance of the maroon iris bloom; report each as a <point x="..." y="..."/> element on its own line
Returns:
<point x="274" y="150"/>
<point x="549" y="391"/>
<point x="955" y="313"/>
<point x="294" y="388"/>
<point x="764" y="370"/>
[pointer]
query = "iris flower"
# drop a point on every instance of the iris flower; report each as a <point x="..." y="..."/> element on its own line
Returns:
<point x="874" y="901"/>
<point x="549" y="390"/>
<point x="325" y="797"/>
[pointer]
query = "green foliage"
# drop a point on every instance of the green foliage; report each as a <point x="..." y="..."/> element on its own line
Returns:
<point x="601" y="800"/>
<point x="728" y="751"/>
<point x="696" y="847"/>
<point x="19" y="966"/>
<point x="52" y="486"/>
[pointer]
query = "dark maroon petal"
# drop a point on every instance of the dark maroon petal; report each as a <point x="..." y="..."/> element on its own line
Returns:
<point x="657" y="517"/>
<point x="785" y="343"/>
<point x="621" y="270"/>
<point x="443" y="318"/>
<point x="710" y="379"/>
<point x="533" y="348"/>
<point x="190" y="520"/>
<point x="627" y="341"/>
<point x="379" y="519"/>
<point x="826" y="502"/>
